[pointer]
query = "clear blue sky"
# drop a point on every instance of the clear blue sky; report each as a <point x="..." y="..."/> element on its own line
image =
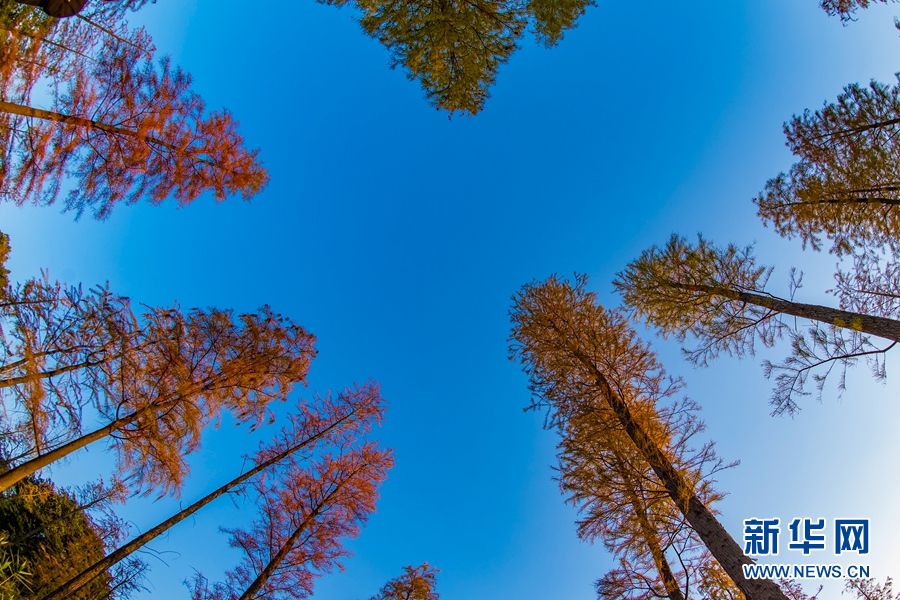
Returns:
<point x="397" y="236"/>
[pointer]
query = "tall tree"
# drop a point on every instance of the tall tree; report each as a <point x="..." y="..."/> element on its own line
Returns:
<point x="582" y="358"/>
<point x="416" y="583"/>
<point x="123" y="129"/>
<point x="54" y="340"/>
<point x="455" y="49"/>
<point x="718" y="296"/>
<point x="153" y="382"/>
<point x="177" y="375"/>
<point x="623" y="504"/>
<point x="329" y="421"/>
<point x="306" y="511"/>
<point x="845" y="186"/>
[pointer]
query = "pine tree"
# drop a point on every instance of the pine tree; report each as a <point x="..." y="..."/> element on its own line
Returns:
<point x="584" y="361"/>
<point x="455" y="49"/>
<point x="846" y="185"/>
<point x="306" y="511"/>
<point x="718" y="297"/>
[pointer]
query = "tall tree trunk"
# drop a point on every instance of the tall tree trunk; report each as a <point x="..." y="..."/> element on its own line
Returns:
<point x="717" y="539"/>
<point x="11" y="477"/>
<point x="282" y="553"/>
<point x="83" y="578"/>
<point x="264" y="575"/>
<point x="878" y="326"/>
<point x="650" y="535"/>
<point x="85" y="123"/>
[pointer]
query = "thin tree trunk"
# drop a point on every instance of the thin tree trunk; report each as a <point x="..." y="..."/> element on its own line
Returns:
<point x="882" y="327"/>
<point x="651" y="535"/>
<point x="13" y="381"/>
<point x="717" y="539"/>
<point x="83" y="122"/>
<point x="261" y="579"/>
<point x="83" y="578"/>
<point x="49" y="115"/>
<point x="11" y="477"/>
<point x="267" y="572"/>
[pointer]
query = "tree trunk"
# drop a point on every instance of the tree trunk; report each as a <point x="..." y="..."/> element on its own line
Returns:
<point x="282" y="553"/>
<point x="83" y="578"/>
<point x="878" y="326"/>
<point x="261" y="579"/>
<point x="650" y="535"/>
<point x="717" y="539"/>
<point x="85" y="123"/>
<point x="11" y="477"/>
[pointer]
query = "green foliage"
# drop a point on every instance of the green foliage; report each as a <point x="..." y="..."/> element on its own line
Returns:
<point x="846" y="186"/>
<point x="717" y="296"/>
<point x="455" y="48"/>
<point x="49" y="532"/>
<point x="14" y="574"/>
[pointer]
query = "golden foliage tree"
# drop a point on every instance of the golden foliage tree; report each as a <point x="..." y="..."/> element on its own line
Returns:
<point x="586" y="362"/>
<point x="845" y="187"/>
<point x="306" y="511"/>
<point x="718" y="297"/>
<point x="622" y="503"/>
<point x="416" y="583"/>
<point x="153" y="382"/>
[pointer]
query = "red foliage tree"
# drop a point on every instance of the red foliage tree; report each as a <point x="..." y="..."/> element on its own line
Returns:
<point x="306" y="511"/>
<point x="124" y="129"/>
<point x="325" y="421"/>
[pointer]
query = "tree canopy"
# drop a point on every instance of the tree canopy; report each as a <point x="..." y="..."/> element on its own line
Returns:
<point x="416" y="583"/>
<point x="717" y="296"/>
<point x="456" y="48"/>
<point x="123" y="127"/>
<point x="585" y="362"/>
<point x="845" y="187"/>
<point x="154" y="382"/>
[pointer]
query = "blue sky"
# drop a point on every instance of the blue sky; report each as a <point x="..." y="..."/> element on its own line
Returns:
<point x="397" y="236"/>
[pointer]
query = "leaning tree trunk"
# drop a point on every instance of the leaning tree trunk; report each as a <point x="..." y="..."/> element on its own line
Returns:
<point x="85" y="123"/>
<point x="716" y="538"/>
<point x="285" y="549"/>
<point x="650" y="535"/>
<point x="882" y="327"/>
<point x="83" y="578"/>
